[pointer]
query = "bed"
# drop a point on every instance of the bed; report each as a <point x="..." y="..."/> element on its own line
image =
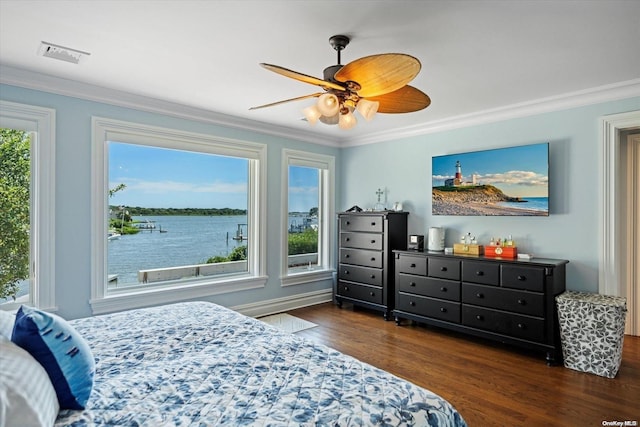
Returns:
<point x="200" y="364"/>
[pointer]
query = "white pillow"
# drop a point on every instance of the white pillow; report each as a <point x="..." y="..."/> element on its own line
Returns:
<point x="27" y="397"/>
<point x="7" y="319"/>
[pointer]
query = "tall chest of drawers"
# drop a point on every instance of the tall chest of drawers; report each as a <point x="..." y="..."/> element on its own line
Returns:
<point x="510" y="301"/>
<point x="365" y="269"/>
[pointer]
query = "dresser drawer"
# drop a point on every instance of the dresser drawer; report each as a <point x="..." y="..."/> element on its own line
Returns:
<point x="361" y="223"/>
<point x="412" y="264"/>
<point x="518" y="277"/>
<point x="426" y="286"/>
<point x="522" y="302"/>
<point x="515" y="325"/>
<point x="481" y="272"/>
<point x="429" y="307"/>
<point x="444" y="268"/>
<point x="361" y="240"/>
<point x="366" y="293"/>
<point x="361" y="257"/>
<point x="353" y="273"/>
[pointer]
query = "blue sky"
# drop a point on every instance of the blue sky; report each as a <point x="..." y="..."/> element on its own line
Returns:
<point x="518" y="171"/>
<point x="303" y="188"/>
<point x="164" y="178"/>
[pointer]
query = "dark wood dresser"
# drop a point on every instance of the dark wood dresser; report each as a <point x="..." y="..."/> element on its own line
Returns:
<point x="365" y="269"/>
<point x="511" y="301"/>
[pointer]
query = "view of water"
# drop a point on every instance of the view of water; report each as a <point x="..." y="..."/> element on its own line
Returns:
<point x="533" y="203"/>
<point x="185" y="240"/>
<point x="188" y="240"/>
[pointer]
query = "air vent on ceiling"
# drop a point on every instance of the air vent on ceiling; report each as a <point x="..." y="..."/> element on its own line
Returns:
<point x="62" y="53"/>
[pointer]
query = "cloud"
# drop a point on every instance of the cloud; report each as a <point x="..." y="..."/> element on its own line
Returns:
<point x="304" y="190"/>
<point x="159" y="187"/>
<point x="441" y="177"/>
<point x="525" y="178"/>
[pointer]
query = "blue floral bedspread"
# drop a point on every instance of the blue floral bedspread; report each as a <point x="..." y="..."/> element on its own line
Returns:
<point x="199" y="364"/>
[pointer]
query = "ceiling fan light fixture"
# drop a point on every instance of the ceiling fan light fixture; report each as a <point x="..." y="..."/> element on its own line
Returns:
<point x="330" y="120"/>
<point x="382" y="78"/>
<point x="328" y="104"/>
<point x="367" y="109"/>
<point x="347" y="121"/>
<point x="312" y="114"/>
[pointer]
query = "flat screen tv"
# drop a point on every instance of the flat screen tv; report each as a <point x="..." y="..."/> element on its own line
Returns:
<point x="501" y="182"/>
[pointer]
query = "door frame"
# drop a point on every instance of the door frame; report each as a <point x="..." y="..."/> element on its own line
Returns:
<point x="631" y="211"/>
<point x="613" y="265"/>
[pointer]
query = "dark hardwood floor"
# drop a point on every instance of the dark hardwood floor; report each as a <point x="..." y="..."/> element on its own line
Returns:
<point x="490" y="384"/>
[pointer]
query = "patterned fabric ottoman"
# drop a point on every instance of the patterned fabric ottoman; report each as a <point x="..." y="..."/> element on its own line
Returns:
<point x="592" y="331"/>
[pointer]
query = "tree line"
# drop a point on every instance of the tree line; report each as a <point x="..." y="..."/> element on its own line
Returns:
<point x="139" y="211"/>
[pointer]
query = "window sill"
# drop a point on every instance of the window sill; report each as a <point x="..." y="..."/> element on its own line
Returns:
<point x="306" y="277"/>
<point x="157" y="296"/>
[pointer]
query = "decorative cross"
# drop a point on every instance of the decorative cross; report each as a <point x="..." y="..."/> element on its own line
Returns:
<point x="379" y="193"/>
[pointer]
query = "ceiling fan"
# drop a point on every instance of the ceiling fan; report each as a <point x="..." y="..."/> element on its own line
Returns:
<point x="376" y="83"/>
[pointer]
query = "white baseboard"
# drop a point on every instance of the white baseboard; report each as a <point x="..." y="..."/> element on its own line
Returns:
<point x="279" y="305"/>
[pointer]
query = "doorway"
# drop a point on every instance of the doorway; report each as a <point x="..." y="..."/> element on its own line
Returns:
<point x="619" y="200"/>
<point x="630" y="190"/>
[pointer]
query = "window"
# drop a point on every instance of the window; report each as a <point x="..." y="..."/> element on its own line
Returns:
<point x="176" y="215"/>
<point x="308" y="193"/>
<point x="34" y="128"/>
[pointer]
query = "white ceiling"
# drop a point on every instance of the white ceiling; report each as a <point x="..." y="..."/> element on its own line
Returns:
<point x="476" y="56"/>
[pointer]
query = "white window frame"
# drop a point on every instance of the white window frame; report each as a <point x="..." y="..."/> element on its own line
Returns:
<point x="326" y="234"/>
<point x="41" y="123"/>
<point x="105" y="130"/>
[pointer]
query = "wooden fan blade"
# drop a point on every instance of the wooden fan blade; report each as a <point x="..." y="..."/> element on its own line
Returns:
<point x="405" y="100"/>
<point x="302" y="77"/>
<point x="380" y="74"/>
<point x="313" y="95"/>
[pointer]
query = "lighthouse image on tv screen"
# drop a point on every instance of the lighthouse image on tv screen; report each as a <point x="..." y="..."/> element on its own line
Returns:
<point x="504" y="181"/>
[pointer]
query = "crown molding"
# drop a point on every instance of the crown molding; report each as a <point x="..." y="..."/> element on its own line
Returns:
<point x="611" y="92"/>
<point x="46" y="83"/>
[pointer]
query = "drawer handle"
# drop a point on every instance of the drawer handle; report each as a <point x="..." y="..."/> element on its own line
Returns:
<point x="522" y="278"/>
<point x="443" y="268"/>
<point x="443" y="310"/>
<point x="522" y="302"/>
<point x="443" y="289"/>
<point x="372" y="241"/>
<point x="412" y="284"/>
<point x="480" y="295"/>
<point x="479" y="273"/>
<point x="521" y="326"/>
<point x="373" y="258"/>
<point x="348" y="223"/>
<point x="373" y="224"/>
<point x="411" y="303"/>
<point x="412" y="266"/>
<point x="479" y="317"/>
<point x="373" y="294"/>
<point x="346" y="272"/>
<point x="346" y="288"/>
<point x="347" y="255"/>
<point x="373" y="276"/>
<point x="347" y="239"/>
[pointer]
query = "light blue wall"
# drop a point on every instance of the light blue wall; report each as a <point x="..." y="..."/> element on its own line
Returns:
<point x="73" y="194"/>
<point x="402" y="166"/>
<point x="571" y="230"/>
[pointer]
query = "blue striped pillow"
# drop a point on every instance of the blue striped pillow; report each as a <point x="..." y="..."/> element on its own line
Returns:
<point x="28" y="398"/>
<point x="60" y="349"/>
<point x="6" y="323"/>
